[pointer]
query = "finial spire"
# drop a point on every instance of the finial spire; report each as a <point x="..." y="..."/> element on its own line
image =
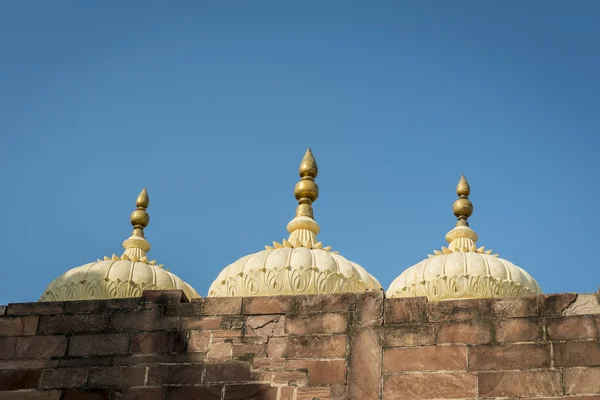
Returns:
<point x="462" y="237"/>
<point x="137" y="245"/>
<point x="303" y="228"/>
<point x="463" y="208"/>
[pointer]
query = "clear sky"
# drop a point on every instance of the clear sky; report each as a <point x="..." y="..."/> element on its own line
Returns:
<point x="211" y="106"/>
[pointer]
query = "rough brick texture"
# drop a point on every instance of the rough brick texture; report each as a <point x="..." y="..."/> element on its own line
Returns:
<point x="359" y="347"/>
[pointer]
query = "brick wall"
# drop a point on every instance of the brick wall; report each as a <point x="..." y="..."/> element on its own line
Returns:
<point x="302" y="347"/>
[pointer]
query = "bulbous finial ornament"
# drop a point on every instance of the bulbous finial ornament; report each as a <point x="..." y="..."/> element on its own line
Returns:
<point x="137" y="243"/>
<point x="306" y="190"/>
<point x="463" y="208"/>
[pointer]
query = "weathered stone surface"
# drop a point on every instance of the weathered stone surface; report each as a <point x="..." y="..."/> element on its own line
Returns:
<point x="430" y="386"/>
<point x="265" y="325"/>
<point x="520" y="383"/>
<point x="16" y="380"/>
<point x="267" y="305"/>
<point x="41" y="346"/>
<point x="569" y="328"/>
<point x="429" y="358"/>
<point x="61" y="378"/>
<point x="169" y="374"/>
<point x="228" y="372"/>
<point x="555" y="304"/>
<point x="316" y="347"/>
<point x="584" y="304"/>
<point x="464" y="332"/>
<point x="116" y="376"/>
<point x="582" y="380"/>
<point x="364" y="365"/>
<point x="405" y="310"/>
<point x="320" y="372"/>
<point x="204" y="392"/>
<point x="519" y="330"/>
<point x="509" y="356"/>
<point x="308" y="324"/>
<point x="303" y="304"/>
<point x="409" y="335"/>
<point x="577" y="354"/>
<point x="369" y="308"/>
<point x="457" y="310"/>
<point x="516" y="307"/>
<point x="250" y="391"/>
<point x="31" y="395"/>
<point x="140" y="394"/>
<point x="78" y="323"/>
<point x="18" y="326"/>
<point x="199" y="341"/>
<point x="90" y="345"/>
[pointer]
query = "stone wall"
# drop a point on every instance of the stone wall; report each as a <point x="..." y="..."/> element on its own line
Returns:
<point x="302" y="347"/>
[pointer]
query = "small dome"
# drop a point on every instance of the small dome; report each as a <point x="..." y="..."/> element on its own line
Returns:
<point x="119" y="276"/>
<point x="461" y="270"/>
<point x="298" y="265"/>
<point x="112" y="279"/>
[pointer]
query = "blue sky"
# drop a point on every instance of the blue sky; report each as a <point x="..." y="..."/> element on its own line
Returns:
<point x="211" y="105"/>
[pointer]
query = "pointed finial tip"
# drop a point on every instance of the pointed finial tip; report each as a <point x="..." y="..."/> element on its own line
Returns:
<point x="463" y="188"/>
<point x="143" y="200"/>
<point x="308" y="166"/>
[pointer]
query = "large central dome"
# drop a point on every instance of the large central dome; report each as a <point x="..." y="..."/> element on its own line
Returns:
<point x="298" y="265"/>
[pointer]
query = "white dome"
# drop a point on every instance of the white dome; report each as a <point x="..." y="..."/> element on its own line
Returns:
<point x="290" y="271"/>
<point x="111" y="279"/>
<point x="460" y="275"/>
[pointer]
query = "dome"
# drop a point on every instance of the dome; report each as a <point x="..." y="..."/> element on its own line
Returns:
<point x="122" y="276"/>
<point x="298" y="265"/>
<point x="461" y="270"/>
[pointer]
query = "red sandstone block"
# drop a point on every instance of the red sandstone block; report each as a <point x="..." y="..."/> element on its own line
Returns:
<point x="509" y="356"/>
<point x="515" y="307"/>
<point x="164" y="296"/>
<point x="7" y="347"/>
<point x="296" y="378"/>
<point x="584" y="397"/>
<point x="369" y="308"/>
<point x="464" y="332"/>
<point x="23" y="379"/>
<point x="430" y="358"/>
<point x="31" y="395"/>
<point x="569" y="328"/>
<point x="229" y="372"/>
<point x="198" y="341"/>
<point x="305" y="304"/>
<point x="364" y="364"/>
<point x="91" y="345"/>
<point x="150" y="320"/>
<point x="267" y="305"/>
<point x="18" y="326"/>
<point x="306" y="393"/>
<point x="61" y="378"/>
<point x="220" y="351"/>
<point x="84" y="362"/>
<point x="405" y="310"/>
<point x="250" y="391"/>
<point x="54" y="307"/>
<point x="429" y="386"/>
<point x="116" y="376"/>
<point x="246" y="351"/>
<point x="150" y="342"/>
<point x="577" y="354"/>
<point x="519" y="330"/>
<point x="555" y="304"/>
<point x="276" y="347"/>
<point x="204" y="392"/>
<point x="409" y="335"/>
<point x="286" y="393"/>
<point x="145" y="359"/>
<point x="169" y="374"/>
<point x="41" y="346"/>
<point x="184" y="310"/>
<point x="201" y="322"/>
<point x="316" y="347"/>
<point x="265" y="325"/>
<point x="221" y="305"/>
<point x="307" y="324"/>
<point x="520" y="383"/>
<point x="98" y="394"/>
<point x="132" y="303"/>
<point x="457" y="310"/>
<point x="320" y="372"/>
<point x="140" y="394"/>
<point x="582" y="380"/>
<point x="78" y="323"/>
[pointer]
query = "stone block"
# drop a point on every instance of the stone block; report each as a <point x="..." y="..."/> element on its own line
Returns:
<point x="19" y="379"/>
<point x="584" y="304"/>
<point x="250" y="391"/>
<point x="509" y="356"/>
<point x="140" y="394"/>
<point x="405" y="310"/>
<point x="61" y="378"/>
<point x="458" y="310"/>
<point x="316" y="347"/>
<point x="41" y="346"/>
<point x="464" y="332"/>
<point x="31" y="395"/>
<point x="582" y="380"/>
<point x="78" y="323"/>
<point x="164" y="296"/>
<point x="572" y="327"/>
<point x="198" y="341"/>
<point x="228" y="372"/>
<point x="520" y="383"/>
<point x="147" y="320"/>
<point x="116" y="376"/>
<point x="175" y="374"/>
<point x="7" y="347"/>
<point x="91" y="345"/>
<point x="429" y="358"/>
<point x="320" y="372"/>
<point x="316" y="303"/>
<point x="430" y="386"/>
<point x="515" y="307"/>
<point x="364" y="364"/>
<point x="555" y="304"/>
<point x="18" y="326"/>
<point x="150" y="342"/>
<point x="90" y="394"/>
<point x="213" y="322"/>
<point x="519" y="330"/>
<point x="369" y="308"/>
<point x="221" y="305"/>
<point x="577" y="354"/>
<point x="220" y="351"/>
<point x="265" y="325"/>
<point x="267" y="305"/>
<point x="203" y="392"/>
<point x="308" y="324"/>
<point x="409" y="335"/>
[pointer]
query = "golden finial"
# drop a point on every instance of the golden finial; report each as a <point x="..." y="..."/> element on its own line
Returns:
<point x="137" y="245"/>
<point x="306" y="190"/>
<point x="463" y="208"/>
